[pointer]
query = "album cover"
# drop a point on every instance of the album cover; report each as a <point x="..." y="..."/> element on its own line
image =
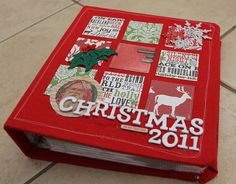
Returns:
<point x="126" y="92"/>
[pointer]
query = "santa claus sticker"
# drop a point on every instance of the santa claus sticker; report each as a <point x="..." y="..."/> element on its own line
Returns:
<point x="83" y="88"/>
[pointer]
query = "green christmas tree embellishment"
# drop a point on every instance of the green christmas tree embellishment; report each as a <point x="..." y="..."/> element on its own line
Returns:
<point x="88" y="57"/>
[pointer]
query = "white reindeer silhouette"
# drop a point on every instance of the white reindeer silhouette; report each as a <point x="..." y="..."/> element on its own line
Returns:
<point x="172" y="101"/>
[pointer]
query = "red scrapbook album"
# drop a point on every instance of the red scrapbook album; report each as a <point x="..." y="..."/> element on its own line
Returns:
<point x="127" y="92"/>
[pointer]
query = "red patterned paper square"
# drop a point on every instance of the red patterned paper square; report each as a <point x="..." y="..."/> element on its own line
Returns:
<point x="133" y="58"/>
<point x="85" y="42"/>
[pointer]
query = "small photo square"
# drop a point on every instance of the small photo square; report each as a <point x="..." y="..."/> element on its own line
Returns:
<point x="178" y="65"/>
<point x="170" y="98"/>
<point x="106" y="27"/>
<point x="133" y="58"/>
<point x="144" y="32"/>
<point x="122" y="89"/>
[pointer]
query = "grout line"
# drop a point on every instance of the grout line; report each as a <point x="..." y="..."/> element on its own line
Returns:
<point x="40" y="173"/>
<point x="228" y="32"/>
<point x="222" y="83"/>
<point x="77" y="2"/>
<point x="15" y="34"/>
<point x="228" y="87"/>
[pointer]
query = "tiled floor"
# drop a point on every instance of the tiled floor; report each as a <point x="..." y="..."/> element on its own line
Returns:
<point x="30" y="29"/>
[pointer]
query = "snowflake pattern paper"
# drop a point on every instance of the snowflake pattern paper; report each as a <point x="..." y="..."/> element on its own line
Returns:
<point x="144" y="32"/>
<point x="187" y="37"/>
<point x="63" y="73"/>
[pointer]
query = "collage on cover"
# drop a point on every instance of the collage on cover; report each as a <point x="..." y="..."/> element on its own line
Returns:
<point x="137" y="58"/>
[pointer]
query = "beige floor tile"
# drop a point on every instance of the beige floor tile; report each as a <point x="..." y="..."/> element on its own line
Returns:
<point x="227" y="139"/>
<point x="62" y="173"/>
<point x="20" y="59"/>
<point x="219" y="11"/>
<point x="15" y="167"/>
<point x="16" y="15"/>
<point x="228" y="61"/>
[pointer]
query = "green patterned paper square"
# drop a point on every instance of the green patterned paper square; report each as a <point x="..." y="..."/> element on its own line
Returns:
<point x="63" y="73"/>
<point x="144" y="32"/>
